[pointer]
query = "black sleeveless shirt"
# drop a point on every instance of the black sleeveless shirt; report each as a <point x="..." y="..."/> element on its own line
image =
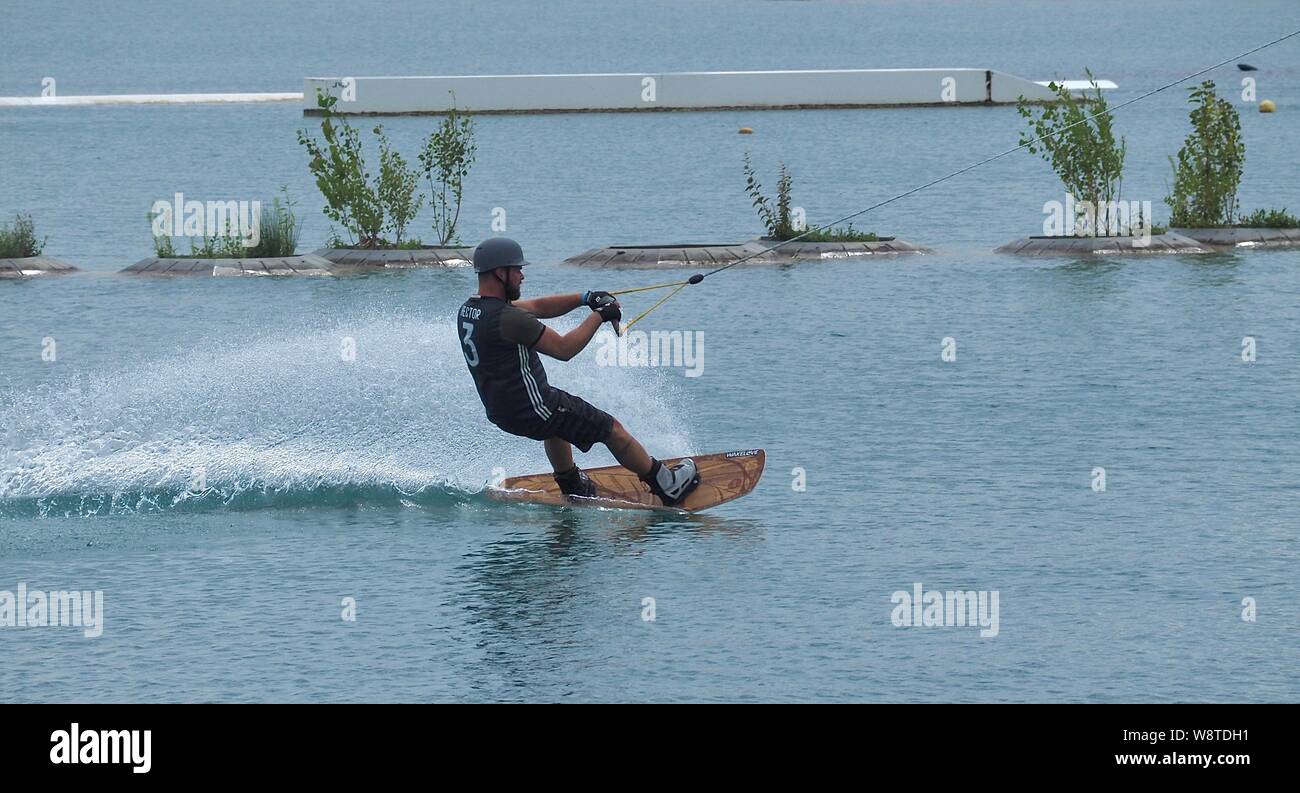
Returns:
<point x="497" y="340"/>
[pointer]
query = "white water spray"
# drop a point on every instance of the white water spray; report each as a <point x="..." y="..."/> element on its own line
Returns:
<point x="287" y="420"/>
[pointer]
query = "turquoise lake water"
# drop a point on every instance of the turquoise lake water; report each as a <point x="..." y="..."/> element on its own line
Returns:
<point x="329" y="479"/>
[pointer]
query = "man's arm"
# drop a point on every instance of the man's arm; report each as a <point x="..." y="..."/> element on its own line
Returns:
<point x="552" y="306"/>
<point x="570" y="344"/>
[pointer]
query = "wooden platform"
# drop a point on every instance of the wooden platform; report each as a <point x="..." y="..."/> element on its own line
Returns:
<point x="715" y="255"/>
<point x="282" y="266"/>
<point x="32" y="266"/>
<point x="1102" y="246"/>
<point x="399" y="258"/>
<point x="1244" y="237"/>
<point x="807" y="251"/>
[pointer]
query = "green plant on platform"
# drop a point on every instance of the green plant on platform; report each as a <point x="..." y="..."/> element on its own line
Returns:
<point x="1270" y="219"/>
<point x="397" y="189"/>
<point x="226" y="244"/>
<point x="1138" y="224"/>
<point x="367" y="208"/>
<point x="1075" y="136"/>
<point x="339" y="166"/>
<point x="19" y="240"/>
<point x="278" y="229"/>
<point x="277" y="233"/>
<point x="446" y="158"/>
<point x="776" y="218"/>
<point x="836" y="234"/>
<point x="1207" y="171"/>
<point x="162" y="243"/>
<point x="162" y="246"/>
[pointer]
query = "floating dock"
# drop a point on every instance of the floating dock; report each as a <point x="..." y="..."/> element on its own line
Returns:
<point x="755" y="251"/>
<point x="276" y="266"/>
<point x="398" y="258"/>
<point x="1244" y="237"/>
<point x="758" y="90"/>
<point x="1168" y="242"/>
<point x="33" y="266"/>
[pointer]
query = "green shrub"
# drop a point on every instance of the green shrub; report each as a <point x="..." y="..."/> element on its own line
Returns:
<point x="846" y="234"/>
<point x="446" y="158"/>
<point x="1207" y="171"/>
<point x="776" y="219"/>
<point x="1076" y="138"/>
<point x="339" y="166"/>
<point x="368" y="208"/>
<point x="1270" y="219"/>
<point x="162" y="246"/>
<point x="19" y="240"/>
<point x="224" y="245"/>
<point x="278" y="230"/>
<point x="397" y="188"/>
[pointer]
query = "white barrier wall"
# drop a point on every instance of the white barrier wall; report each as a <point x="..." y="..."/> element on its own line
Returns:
<point x="540" y="93"/>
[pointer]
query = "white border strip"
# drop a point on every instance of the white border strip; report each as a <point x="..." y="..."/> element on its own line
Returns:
<point x="146" y="99"/>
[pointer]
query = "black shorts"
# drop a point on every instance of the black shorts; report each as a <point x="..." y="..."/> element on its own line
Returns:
<point x="573" y="419"/>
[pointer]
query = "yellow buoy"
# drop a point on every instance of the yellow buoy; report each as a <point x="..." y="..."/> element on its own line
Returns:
<point x="750" y="130"/>
<point x="1267" y="106"/>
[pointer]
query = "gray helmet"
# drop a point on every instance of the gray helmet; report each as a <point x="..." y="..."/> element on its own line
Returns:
<point x="498" y="252"/>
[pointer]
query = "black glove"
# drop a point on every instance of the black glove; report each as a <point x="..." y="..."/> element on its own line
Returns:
<point x="610" y="312"/>
<point x="604" y="304"/>
<point x="595" y="300"/>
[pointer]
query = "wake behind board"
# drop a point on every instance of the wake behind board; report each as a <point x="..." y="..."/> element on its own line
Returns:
<point x="723" y="477"/>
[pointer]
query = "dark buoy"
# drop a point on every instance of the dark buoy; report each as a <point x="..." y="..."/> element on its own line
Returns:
<point x="695" y="279"/>
<point x="1246" y="67"/>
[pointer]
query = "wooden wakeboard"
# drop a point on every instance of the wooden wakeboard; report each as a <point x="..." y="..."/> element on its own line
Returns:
<point x="723" y="476"/>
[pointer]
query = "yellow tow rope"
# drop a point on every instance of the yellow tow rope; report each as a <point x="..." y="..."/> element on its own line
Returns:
<point x="679" y="284"/>
<point x="648" y="288"/>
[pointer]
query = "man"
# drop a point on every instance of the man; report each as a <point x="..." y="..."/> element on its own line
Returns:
<point x="501" y="337"/>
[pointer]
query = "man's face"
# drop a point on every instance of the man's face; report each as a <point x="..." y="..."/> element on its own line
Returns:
<point x="512" y="280"/>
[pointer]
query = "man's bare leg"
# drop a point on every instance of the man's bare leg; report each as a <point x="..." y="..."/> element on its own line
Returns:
<point x="560" y="453"/>
<point x="627" y="450"/>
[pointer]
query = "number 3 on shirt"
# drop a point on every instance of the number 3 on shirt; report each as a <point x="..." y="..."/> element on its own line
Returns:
<point x="471" y="352"/>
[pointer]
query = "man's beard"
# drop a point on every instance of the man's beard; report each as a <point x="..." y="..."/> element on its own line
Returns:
<point x="512" y="292"/>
